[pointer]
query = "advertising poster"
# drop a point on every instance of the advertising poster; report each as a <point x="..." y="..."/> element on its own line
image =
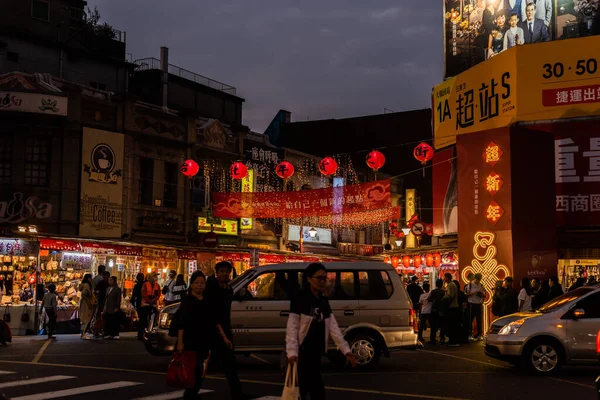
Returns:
<point x="477" y="30"/>
<point x="101" y="207"/>
<point x="445" y="192"/>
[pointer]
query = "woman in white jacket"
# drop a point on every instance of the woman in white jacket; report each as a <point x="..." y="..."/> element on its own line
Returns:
<point x="309" y="325"/>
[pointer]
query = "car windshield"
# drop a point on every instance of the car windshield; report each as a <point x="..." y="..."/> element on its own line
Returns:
<point x="240" y="278"/>
<point x="564" y="299"/>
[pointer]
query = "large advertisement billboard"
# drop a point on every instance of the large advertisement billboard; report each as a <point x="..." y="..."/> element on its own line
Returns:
<point x="476" y="30"/>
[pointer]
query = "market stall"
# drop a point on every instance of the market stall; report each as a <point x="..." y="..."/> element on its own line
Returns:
<point x="18" y="262"/>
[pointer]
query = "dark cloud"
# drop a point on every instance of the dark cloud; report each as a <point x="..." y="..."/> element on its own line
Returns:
<point x="317" y="59"/>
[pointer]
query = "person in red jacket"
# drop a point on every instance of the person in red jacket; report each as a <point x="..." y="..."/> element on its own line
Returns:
<point x="150" y="296"/>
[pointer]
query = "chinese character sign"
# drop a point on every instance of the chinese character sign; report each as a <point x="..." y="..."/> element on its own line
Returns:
<point x="318" y="202"/>
<point x="547" y="81"/>
<point x="481" y="98"/>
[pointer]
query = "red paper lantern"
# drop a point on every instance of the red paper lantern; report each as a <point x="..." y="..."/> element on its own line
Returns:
<point x="284" y="170"/>
<point x="189" y="168"/>
<point x="375" y="160"/>
<point x="238" y="170"/>
<point x="423" y="152"/>
<point x="429" y="260"/>
<point x="437" y="260"/>
<point x="406" y="261"/>
<point x="417" y="262"/>
<point x="395" y="262"/>
<point x="328" y="166"/>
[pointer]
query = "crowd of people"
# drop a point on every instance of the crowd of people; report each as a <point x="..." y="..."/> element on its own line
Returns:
<point x="457" y="313"/>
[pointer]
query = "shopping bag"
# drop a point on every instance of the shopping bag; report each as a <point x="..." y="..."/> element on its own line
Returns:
<point x="291" y="391"/>
<point x="25" y="315"/>
<point x="181" y="373"/>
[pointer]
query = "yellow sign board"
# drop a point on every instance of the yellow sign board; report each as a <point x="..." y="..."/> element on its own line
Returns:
<point x="411" y="210"/>
<point x="542" y="81"/>
<point x="247" y="187"/>
<point x="226" y="227"/>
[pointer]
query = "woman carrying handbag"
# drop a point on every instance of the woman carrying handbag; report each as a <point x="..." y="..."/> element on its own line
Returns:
<point x="309" y="326"/>
<point x="196" y="325"/>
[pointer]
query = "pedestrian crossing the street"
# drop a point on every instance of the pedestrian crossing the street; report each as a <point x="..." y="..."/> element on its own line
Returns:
<point x="18" y="387"/>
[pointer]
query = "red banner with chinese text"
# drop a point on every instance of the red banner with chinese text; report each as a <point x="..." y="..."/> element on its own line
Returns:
<point x="306" y="203"/>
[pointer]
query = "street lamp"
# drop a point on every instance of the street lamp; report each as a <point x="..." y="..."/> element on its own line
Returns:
<point x="312" y="233"/>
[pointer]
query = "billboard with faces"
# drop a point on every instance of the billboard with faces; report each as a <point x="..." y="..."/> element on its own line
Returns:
<point x="476" y="30"/>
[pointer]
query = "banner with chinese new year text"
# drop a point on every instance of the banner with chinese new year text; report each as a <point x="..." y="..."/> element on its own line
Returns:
<point x="306" y="203"/>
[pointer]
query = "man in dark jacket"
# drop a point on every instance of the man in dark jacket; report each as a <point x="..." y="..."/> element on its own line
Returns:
<point x="415" y="291"/>
<point x="508" y="297"/>
<point x="220" y="296"/>
<point x="556" y="289"/>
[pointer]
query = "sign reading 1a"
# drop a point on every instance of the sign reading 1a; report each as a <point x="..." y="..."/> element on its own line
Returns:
<point x="443" y="111"/>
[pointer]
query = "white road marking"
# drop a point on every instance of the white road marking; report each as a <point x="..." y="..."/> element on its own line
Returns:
<point x="269" y="398"/>
<point x="6" y="372"/>
<point x="25" y="382"/>
<point x="170" y="396"/>
<point x="259" y="359"/>
<point x="78" y="391"/>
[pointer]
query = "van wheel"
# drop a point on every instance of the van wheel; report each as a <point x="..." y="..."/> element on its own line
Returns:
<point x="543" y="357"/>
<point x="366" y="350"/>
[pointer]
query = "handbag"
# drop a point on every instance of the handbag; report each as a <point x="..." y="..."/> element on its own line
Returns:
<point x="181" y="373"/>
<point x="291" y="391"/>
<point x="25" y="315"/>
<point x="6" y="316"/>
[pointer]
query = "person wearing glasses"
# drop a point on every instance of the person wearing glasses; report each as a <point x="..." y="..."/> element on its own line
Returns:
<point x="309" y="325"/>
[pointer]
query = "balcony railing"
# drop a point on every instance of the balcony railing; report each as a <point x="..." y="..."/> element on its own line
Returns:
<point x="145" y="64"/>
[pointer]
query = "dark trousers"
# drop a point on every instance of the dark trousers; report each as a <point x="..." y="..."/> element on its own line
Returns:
<point x="423" y="324"/>
<point x="144" y="314"/>
<point x="453" y="320"/>
<point x="111" y="324"/>
<point x="193" y="393"/>
<point x="51" y="328"/>
<point x="220" y="354"/>
<point x="477" y="315"/>
<point x="309" y="375"/>
<point x="434" y="322"/>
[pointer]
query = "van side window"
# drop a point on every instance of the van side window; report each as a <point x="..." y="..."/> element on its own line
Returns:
<point x="340" y="285"/>
<point x="375" y="285"/>
<point x="280" y="285"/>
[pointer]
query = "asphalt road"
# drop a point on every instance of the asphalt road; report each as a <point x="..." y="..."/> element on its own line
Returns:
<point x="35" y="369"/>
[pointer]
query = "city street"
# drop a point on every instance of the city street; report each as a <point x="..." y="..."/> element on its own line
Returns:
<point x="35" y="369"/>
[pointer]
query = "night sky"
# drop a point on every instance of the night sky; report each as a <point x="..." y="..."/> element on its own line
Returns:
<point x="317" y="59"/>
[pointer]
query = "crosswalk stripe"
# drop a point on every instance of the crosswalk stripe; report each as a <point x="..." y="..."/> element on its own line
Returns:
<point x="77" y="391"/>
<point x="171" y="395"/>
<point x="6" y="372"/>
<point x="26" y="382"/>
<point x="269" y="398"/>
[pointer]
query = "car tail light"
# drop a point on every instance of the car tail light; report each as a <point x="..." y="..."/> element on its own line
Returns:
<point x="412" y="320"/>
<point x="598" y="343"/>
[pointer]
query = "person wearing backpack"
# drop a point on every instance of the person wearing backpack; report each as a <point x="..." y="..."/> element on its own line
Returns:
<point x="167" y="290"/>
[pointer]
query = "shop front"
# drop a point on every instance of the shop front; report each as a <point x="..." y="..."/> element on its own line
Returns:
<point x="427" y="266"/>
<point x="19" y="260"/>
<point x="159" y="261"/>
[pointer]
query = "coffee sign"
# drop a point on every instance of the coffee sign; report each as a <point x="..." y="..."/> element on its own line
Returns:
<point x="101" y="207"/>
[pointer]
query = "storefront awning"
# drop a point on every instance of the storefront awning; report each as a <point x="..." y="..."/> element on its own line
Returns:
<point x="186" y="255"/>
<point x="60" y="245"/>
<point x="107" y="248"/>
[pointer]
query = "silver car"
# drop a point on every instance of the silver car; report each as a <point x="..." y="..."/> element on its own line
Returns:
<point x="368" y="299"/>
<point x="563" y="331"/>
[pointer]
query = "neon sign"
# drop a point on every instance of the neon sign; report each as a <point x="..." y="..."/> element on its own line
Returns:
<point x="485" y="263"/>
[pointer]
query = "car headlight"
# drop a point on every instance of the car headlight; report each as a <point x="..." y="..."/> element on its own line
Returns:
<point x="512" y="328"/>
<point x="165" y="320"/>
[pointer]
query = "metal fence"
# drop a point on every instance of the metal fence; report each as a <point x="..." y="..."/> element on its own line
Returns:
<point x="154" y="63"/>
